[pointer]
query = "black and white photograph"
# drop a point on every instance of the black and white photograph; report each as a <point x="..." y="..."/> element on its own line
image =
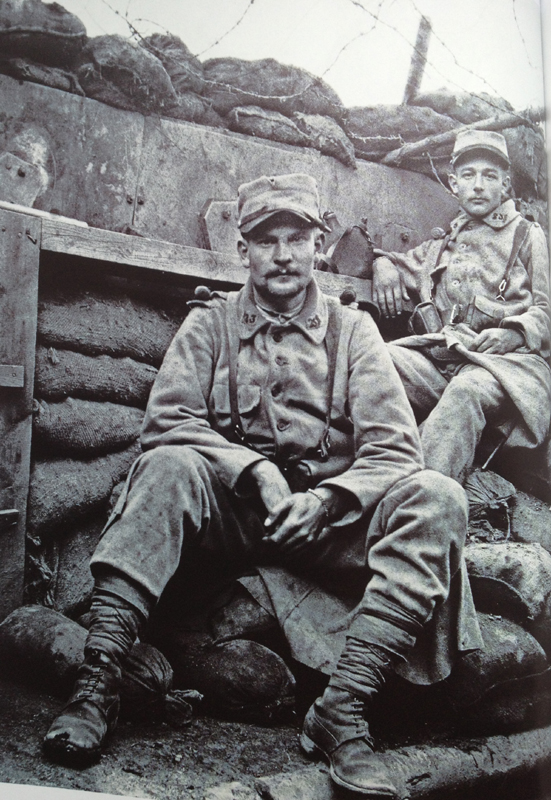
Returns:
<point x="275" y="400"/>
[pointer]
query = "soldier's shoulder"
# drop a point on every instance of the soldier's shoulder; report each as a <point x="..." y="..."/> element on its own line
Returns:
<point x="207" y="298"/>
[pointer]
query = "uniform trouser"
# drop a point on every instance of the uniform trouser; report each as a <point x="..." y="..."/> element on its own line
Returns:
<point x="180" y="523"/>
<point x="455" y="411"/>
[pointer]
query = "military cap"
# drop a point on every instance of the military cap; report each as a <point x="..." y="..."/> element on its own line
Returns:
<point x="489" y="141"/>
<point x="260" y="199"/>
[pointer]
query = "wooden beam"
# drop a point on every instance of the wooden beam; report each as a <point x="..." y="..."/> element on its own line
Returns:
<point x="19" y="259"/>
<point x="418" y="60"/>
<point x="496" y="123"/>
<point x="151" y="254"/>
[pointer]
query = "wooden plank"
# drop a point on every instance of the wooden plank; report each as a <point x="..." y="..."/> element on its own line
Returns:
<point x="19" y="259"/>
<point x="90" y="151"/>
<point x="151" y="254"/>
<point x="12" y="375"/>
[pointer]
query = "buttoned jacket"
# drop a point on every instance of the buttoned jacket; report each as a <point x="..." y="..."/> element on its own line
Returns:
<point x="471" y="270"/>
<point x="282" y="375"/>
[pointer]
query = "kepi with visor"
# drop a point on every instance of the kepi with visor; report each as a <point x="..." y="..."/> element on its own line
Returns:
<point x="260" y="199"/>
<point x="488" y="141"/>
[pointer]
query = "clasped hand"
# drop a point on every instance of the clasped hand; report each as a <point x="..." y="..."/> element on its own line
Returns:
<point x="294" y="521"/>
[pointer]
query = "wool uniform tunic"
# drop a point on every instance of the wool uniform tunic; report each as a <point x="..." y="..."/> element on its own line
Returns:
<point x="465" y="389"/>
<point x="404" y="527"/>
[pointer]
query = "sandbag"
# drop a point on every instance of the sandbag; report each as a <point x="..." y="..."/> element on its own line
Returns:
<point x="84" y="426"/>
<point x="531" y="520"/>
<point x="491" y="498"/>
<point x="192" y="107"/>
<point x="257" y="121"/>
<point x="73" y="583"/>
<point x="184" y="69"/>
<point x="239" y="679"/>
<point x="511" y="579"/>
<point x="492" y="690"/>
<point x="114" y="71"/>
<point x="44" y="649"/>
<point x="63" y="373"/>
<point x="64" y="489"/>
<point x="327" y="137"/>
<point x="509" y="652"/>
<point x="45" y="32"/>
<point x="373" y="148"/>
<point x="97" y="325"/>
<point x="464" y="107"/>
<point x="526" y="148"/>
<point x="231" y="82"/>
<point x="411" y="123"/>
<point x="25" y="69"/>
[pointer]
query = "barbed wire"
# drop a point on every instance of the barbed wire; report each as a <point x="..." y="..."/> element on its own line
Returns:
<point x="317" y="80"/>
<point x="521" y="34"/>
<point x="230" y="30"/>
<point x="413" y="46"/>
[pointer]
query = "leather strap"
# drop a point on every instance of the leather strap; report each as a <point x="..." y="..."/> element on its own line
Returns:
<point x="520" y="235"/>
<point x="331" y="341"/>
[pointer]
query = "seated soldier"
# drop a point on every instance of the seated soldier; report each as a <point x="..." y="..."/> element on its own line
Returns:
<point x="482" y="326"/>
<point x="278" y="433"/>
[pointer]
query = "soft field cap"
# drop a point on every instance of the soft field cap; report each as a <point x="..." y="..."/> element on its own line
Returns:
<point x="262" y="198"/>
<point x="480" y="140"/>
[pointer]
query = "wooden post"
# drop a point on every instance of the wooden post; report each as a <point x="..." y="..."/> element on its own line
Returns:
<point x="418" y="60"/>
<point x="19" y="259"/>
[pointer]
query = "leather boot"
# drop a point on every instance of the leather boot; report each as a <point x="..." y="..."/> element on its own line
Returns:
<point x="76" y="737"/>
<point x="335" y="727"/>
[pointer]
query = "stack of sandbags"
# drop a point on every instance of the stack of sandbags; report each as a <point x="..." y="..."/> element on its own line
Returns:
<point x="39" y="43"/>
<point x="44" y="649"/>
<point x="99" y="347"/>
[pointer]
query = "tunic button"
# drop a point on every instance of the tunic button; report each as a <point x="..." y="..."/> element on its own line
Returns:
<point x="276" y="389"/>
<point x="455" y="283"/>
<point x="277" y="336"/>
<point x="280" y="361"/>
<point x="282" y="425"/>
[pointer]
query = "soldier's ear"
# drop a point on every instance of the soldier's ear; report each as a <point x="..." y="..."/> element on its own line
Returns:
<point x="506" y="185"/>
<point x="243" y="250"/>
<point x="319" y="241"/>
<point x="452" y="180"/>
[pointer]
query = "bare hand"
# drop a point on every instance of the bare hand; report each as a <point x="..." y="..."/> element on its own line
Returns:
<point x="388" y="289"/>
<point x="498" y="341"/>
<point x="271" y="484"/>
<point x="296" y="522"/>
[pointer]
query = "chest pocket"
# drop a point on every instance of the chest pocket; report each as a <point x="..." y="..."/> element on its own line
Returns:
<point x="248" y="399"/>
<point x="484" y="312"/>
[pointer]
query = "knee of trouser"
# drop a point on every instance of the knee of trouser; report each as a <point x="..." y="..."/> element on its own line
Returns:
<point x="446" y="500"/>
<point x="172" y="464"/>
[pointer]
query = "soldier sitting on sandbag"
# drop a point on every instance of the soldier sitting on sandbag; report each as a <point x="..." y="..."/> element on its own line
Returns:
<point x="481" y="329"/>
<point x="278" y="436"/>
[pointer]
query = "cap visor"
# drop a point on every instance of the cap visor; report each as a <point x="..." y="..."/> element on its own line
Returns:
<point x="482" y="149"/>
<point x="247" y="227"/>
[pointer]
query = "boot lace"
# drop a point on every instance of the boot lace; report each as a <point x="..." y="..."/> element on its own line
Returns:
<point x="358" y="715"/>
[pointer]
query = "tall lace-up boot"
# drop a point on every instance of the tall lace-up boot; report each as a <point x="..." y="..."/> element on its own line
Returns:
<point x="336" y="728"/>
<point x="78" y="734"/>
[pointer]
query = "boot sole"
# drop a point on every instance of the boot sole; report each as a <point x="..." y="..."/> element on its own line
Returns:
<point x="59" y="751"/>
<point x="312" y="750"/>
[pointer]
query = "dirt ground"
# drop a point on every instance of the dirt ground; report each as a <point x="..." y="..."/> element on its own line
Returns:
<point x="149" y="761"/>
<point x="159" y="762"/>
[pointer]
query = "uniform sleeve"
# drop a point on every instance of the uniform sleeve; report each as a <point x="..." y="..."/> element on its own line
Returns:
<point x="387" y="443"/>
<point x="177" y="411"/>
<point x="534" y="323"/>
<point x="415" y="266"/>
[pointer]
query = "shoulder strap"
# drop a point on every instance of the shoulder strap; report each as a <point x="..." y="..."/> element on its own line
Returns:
<point x="233" y="353"/>
<point x="521" y="232"/>
<point x="332" y="337"/>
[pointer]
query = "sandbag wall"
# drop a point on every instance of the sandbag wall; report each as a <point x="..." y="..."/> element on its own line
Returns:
<point x="101" y="339"/>
<point x="159" y="75"/>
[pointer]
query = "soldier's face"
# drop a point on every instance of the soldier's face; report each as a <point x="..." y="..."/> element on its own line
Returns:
<point x="480" y="185"/>
<point x="281" y="261"/>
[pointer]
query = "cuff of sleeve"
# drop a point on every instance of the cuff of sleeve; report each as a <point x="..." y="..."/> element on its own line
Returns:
<point x="354" y="505"/>
<point x="244" y="486"/>
<point x="531" y="338"/>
